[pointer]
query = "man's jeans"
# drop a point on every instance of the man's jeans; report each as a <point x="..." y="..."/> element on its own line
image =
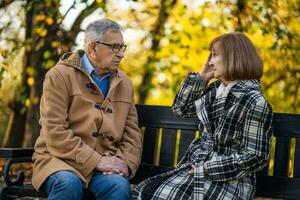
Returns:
<point x="66" y="185"/>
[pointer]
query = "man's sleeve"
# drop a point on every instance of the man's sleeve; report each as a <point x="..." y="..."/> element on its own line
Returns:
<point x="130" y="147"/>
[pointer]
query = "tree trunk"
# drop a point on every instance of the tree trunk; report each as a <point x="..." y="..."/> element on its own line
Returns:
<point x="156" y="34"/>
<point x="15" y="130"/>
<point x="26" y="121"/>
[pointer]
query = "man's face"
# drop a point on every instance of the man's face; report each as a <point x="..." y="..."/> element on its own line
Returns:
<point x="102" y="55"/>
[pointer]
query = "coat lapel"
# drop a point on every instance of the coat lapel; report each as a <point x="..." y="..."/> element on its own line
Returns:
<point x="203" y="106"/>
<point x="115" y="81"/>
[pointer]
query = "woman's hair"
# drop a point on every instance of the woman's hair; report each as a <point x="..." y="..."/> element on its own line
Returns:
<point x="240" y="58"/>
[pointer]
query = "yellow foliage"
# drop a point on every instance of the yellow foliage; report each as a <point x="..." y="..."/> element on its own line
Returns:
<point x="54" y="44"/>
<point x="30" y="81"/>
<point x="27" y="102"/>
<point x="36" y="100"/>
<point x="28" y="47"/>
<point x="5" y="66"/>
<point x="49" y="63"/>
<point x="49" y="21"/>
<point x="46" y="54"/>
<point x="41" y="31"/>
<point x="39" y="18"/>
<point x="30" y="70"/>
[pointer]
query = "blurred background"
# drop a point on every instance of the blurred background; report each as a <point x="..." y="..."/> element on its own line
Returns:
<point x="166" y="39"/>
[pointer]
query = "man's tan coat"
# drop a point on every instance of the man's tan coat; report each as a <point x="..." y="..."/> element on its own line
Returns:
<point x="79" y="126"/>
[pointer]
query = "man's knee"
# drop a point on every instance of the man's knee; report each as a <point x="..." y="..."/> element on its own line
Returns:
<point x="111" y="187"/>
<point x="118" y="183"/>
<point x="64" y="183"/>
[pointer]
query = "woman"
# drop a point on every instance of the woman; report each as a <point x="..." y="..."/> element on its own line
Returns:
<point x="235" y="124"/>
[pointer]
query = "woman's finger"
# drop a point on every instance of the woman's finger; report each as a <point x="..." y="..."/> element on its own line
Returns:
<point x="191" y="171"/>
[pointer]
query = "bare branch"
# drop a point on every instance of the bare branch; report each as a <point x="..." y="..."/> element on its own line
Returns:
<point x="5" y="3"/>
<point x="75" y="29"/>
<point x="63" y="17"/>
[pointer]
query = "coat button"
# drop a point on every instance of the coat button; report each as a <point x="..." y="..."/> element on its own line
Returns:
<point x="91" y="87"/>
<point x="98" y="106"/>
<point x="104" y="136"/>
<point x="95" y="134"/>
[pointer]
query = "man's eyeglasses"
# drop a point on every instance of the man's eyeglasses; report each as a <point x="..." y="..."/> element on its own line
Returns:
<point x="114" y="47"/>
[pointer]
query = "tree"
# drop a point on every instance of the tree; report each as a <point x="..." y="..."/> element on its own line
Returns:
<point x="45" y="39"/>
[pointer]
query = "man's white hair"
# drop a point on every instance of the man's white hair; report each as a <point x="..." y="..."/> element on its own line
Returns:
<point x="95" y="30"/>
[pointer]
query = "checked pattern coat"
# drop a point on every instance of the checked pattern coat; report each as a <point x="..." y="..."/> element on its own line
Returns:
<point x="236" y="133"/>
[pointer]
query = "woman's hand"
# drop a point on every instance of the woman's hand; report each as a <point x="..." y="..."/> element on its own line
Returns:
<point x="207" y="71"/>
<point x="192" y="170"/>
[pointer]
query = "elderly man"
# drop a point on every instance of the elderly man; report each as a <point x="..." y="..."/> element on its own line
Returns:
<point x="89" y="129"/>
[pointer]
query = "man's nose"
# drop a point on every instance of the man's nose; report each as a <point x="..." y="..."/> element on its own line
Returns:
<point x="120" y="54"/>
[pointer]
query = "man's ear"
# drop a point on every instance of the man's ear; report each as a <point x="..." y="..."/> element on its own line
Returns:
<point x="92" y="48"/>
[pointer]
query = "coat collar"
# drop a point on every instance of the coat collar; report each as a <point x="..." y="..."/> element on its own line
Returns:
<point x="73" y="59"/>
<point x="241" y="88"/>
<point x="238" y="90"/>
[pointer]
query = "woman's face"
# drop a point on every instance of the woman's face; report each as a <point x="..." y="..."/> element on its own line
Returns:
<point x="216" y="62"/>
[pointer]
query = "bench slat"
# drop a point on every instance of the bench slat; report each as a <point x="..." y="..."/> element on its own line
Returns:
<point x="149" y="145"/>
<point x="168" y="143"/>
<point x="186" y="137"/>
<point x="297" y="159"/>
<point x="281" y="160"/>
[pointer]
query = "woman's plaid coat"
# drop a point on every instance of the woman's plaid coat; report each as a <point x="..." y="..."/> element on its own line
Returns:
<point x="234" y="144"/>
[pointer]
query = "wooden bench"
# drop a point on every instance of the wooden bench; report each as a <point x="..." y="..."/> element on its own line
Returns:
<point x="166" y="138"/>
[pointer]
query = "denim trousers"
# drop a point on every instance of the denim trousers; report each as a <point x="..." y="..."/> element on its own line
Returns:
<point x="65" y="185"/>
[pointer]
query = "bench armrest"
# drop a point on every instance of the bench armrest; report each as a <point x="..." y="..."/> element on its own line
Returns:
<point x="15" y="155"/>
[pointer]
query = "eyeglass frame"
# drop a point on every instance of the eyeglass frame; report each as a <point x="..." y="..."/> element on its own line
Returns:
<point x="114" y="46"/>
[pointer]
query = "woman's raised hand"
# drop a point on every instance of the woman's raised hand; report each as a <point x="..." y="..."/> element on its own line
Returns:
<point x="207" y="71"/>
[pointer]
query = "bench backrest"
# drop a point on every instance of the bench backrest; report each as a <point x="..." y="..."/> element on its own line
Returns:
<point x="166" y="138"/>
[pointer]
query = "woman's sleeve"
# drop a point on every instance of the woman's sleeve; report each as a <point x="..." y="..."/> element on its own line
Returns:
<point x="190" y="90"/>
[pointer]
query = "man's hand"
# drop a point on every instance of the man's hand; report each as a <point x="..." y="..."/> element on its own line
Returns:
<point x="112" y="164"/>
<point x="207" y="71"/>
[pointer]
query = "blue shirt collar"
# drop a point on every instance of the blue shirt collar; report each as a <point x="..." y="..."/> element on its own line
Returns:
<point x="87" y="64"/>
